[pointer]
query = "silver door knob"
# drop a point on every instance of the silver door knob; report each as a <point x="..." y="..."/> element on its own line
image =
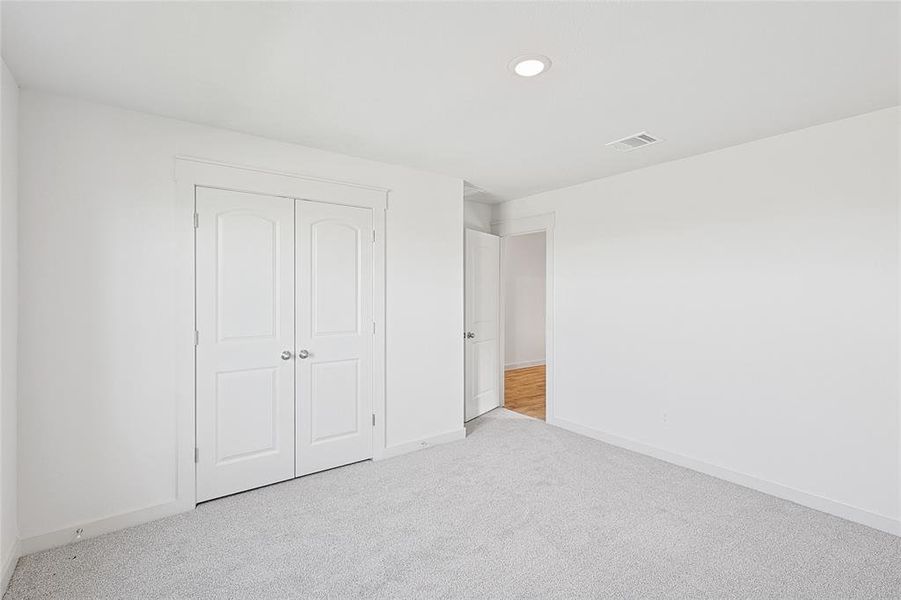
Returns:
<point x="287" y="354"/>
<point x="303" y="354"/>
<point x="470" y="335"/>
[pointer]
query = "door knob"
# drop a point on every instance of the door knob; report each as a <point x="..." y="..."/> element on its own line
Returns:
<point x="470" y="335"/>
<point x="287" y="354"/>
<point x="303" y="354"/>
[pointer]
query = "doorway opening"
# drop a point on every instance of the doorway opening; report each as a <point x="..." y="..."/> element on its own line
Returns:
<point x="509" y="358"/>
<point x="524" y="289"/>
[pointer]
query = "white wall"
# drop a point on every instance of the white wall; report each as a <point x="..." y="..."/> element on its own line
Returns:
<point x="9" y="102"/>
<point x="97" y="413"/>
<point x="477" y="215"/>
<point x="738" y="312"/>
<point x="524" y="299"/>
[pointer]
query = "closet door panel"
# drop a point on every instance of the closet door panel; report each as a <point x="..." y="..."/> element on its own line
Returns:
<point x="334" y="335"/>
<point x="245" y="321"/>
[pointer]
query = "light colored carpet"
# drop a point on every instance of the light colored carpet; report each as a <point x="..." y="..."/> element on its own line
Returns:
<point x="519" y="509"/>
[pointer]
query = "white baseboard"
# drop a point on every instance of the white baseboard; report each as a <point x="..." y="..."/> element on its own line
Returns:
<point x="838" y="509"/>
<point x="523" y="364"/>
<point x="61" y="537"/>
<point x="9" y="565"/>
<point x="442" y="438"/>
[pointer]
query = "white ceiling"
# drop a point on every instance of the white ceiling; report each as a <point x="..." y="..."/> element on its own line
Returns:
<point x="426" y="84"/>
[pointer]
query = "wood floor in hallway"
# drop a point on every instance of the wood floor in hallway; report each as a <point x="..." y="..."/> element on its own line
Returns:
<point x="524" y="391"/>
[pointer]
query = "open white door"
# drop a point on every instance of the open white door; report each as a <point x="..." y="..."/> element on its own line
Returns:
<point x="245" y="324"/>
<point x="482" y="321"/>
<point x="335" y="334"/>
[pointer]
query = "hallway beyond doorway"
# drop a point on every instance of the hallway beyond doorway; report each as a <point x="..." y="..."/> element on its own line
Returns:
<point x="524" y="391"/>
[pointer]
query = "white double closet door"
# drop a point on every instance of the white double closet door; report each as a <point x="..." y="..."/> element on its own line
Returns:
<point x="285" y="342"/>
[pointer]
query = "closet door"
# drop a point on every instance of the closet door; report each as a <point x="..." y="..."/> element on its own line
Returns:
<point x="334" y="335"/>
<point x="245" y="323"/>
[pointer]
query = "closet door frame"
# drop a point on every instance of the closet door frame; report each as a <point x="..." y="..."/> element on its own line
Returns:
<point x="191" y="173"/>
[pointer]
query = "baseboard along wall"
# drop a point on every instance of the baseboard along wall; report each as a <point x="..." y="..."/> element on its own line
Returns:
<point x="68" y="535"/>
<point x="832" y="507"/>
<point x="421" y="444"/>
<point x="98" y="527"/>
<point x="523" y="364"/>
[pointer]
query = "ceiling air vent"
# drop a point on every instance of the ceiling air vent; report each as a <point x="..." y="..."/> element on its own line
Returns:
<point x="639" y="140"/>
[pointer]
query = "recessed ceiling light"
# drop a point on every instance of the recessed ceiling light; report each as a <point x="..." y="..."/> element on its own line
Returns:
<point x="531" y="65"/>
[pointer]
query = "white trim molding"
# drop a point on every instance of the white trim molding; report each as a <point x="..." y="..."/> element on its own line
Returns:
<point x="522" y="225"/>
<point x="283" y="174"/>
<point x="523" y="364"/>
<point x="421" y="444"/>
<point x="90" y="529"/>
<point x="832" y="507"/>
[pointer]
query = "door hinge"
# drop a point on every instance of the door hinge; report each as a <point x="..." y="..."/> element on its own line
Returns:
<point x="196" y="455"/>
<point x="196" y="220"/>
<point x="196" y="338"/>
<point x="373" y="419"/>
<point x="373" y="236"/>
<point x="373" y="327"/>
